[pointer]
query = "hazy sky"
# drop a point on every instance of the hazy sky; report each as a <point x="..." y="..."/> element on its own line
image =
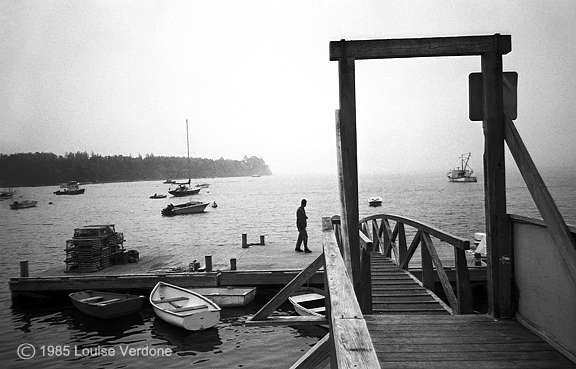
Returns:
<point x="254" y="78"/>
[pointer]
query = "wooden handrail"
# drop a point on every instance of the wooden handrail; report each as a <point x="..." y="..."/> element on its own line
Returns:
<point x="350" y="342"/>
<point x="383" y="235"/>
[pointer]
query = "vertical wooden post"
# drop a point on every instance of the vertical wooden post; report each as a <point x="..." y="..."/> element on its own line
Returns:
<point x="244" y="241"/>
<point x="261" y="239"/>
<point x="208" y="261"/>
<point x="24" y="273"/>
<point x="498" y="245"/>
<point x="402" y="246"/>
<point x="427" y="267"/>
<point x="348" y="165"/>
<point x="233" y="264"/>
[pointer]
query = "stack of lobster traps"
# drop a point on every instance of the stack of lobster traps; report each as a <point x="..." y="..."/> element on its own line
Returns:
<point x="93" y="248"/>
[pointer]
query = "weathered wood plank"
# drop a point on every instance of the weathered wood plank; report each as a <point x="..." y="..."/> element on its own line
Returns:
<point x="417" y="47"/>
<point x="350" y="342"/>
<point x="494" y="172"/>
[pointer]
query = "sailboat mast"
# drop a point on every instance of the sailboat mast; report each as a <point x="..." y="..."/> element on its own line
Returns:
<point x="188" y="147"/>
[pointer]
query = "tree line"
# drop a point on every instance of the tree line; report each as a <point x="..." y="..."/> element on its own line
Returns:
<point x="31" y="169"/>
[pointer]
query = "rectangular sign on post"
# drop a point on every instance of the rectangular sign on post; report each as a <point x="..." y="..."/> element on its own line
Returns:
<point x="475" y="101"/>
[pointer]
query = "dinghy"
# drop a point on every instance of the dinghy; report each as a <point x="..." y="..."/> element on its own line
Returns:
<point x="106" y="305"/>
<point x="309" y="301"/>
<point x="183" y="308"/>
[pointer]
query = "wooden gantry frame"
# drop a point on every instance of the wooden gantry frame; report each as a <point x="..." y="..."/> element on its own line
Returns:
<point x="490" y="48"/>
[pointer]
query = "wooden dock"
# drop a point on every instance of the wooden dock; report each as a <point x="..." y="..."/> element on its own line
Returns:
<point x="410" y="327"/>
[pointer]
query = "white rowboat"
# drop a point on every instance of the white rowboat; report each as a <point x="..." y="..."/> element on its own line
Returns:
<point x="309" y="301"/>
<point x="184" y="308"/>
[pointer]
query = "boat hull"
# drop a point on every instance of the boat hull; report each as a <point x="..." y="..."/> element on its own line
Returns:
<point x="187" y="192"/>
<point x="23" y="204"/>
<point x="186" y="208"/>
<point x="106" y="305"/>
<point x="463" y="179"/>
<point x="228" y="296"/>
<point x="309" y="302"/>
<point x="183" y="308"/>
<point x="70" y="192"/>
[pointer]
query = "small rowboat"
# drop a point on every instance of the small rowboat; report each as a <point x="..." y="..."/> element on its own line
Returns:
<point x="228" y="296"/>
<point x="309" y="301"/>
<point x="106" y="305"/>
<point x="156" y="196"/>
<point x="184" y="308"/>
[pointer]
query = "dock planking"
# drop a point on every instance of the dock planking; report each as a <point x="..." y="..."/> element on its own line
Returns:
<point x="412" y="328"/>
<point x="256" y="266"/>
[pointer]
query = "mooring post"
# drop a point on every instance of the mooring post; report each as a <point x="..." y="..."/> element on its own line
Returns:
<point x="233" y="264"/>
<point x="24" y="268"/>
<point x="261" y="239"/>
<point x="244" y="241"/>
<point x="208" y="259"/>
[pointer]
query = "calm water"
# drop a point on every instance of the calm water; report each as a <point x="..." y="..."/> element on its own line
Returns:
<point x="263" y="205"/>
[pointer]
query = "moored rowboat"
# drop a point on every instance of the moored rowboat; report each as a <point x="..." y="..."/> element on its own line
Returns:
<point x="184" y="308"/>
<point x="106" y="305"/>
<point x="309" y="301"/>
<point x="228" y="296"/>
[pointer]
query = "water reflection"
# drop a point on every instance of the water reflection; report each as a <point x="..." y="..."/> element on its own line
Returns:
<point x="185" y="342"/>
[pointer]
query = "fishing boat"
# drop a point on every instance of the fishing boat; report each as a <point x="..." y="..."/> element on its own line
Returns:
<point x="309" y="301"/>
<point x="156" y="196"/>
<point x="70" y="188"/>
<point x="229" y="296"/>
<point x="463" y="173"/>
<point x="23" y="204"/>
<point x="203" y="185"/>
<point x="183" y="308"/>
<point x="106" y="305"/>
<point x="184" y="189"/>
<point x="190" y="207"/>
<point x="375" y="201"/>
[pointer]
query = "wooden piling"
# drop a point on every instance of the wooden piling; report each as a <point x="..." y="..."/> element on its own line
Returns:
<point x="208" y="260"/>
<point x="261" y="239"/>
<point x="233" y="264"/>
<point x="244" y="241"/>
<point x="24" y="269"/>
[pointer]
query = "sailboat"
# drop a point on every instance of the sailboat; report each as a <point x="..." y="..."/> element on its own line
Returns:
<point x="463" y="173"/>
<point x="184" y="189"/>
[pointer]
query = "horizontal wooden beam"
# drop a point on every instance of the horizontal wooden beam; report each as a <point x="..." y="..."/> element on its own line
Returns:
<point x="418" y="47"/>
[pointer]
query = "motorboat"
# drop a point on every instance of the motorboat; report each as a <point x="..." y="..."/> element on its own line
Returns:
<point x="70" y="188"/>
<point x="375" y="201"/>
<point x="190" y="207"/>
<point x="183" y="308"/>
<point x="106" y="305"/>
<point x="23" y="204"/>
<point x="156" y="196"/>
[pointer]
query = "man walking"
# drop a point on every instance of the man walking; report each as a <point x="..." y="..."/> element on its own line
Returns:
<point x="301" y="225"/>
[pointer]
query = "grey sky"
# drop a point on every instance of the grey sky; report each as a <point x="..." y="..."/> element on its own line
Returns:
<point x="254" y="78"/>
